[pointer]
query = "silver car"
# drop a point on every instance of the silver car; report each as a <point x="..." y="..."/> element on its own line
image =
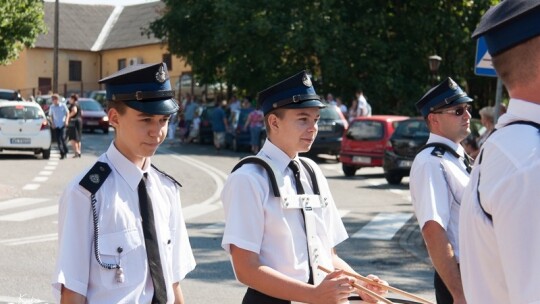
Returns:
<point x="24" y="127"/>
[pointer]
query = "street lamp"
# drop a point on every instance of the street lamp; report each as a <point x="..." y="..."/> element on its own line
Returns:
<point x="434" y="63"/>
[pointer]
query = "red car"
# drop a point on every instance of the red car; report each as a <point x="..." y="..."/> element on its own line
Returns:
<point x="364" y="142"/>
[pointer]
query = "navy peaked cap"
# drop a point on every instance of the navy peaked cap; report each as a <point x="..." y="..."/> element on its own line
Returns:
<point x="445" y="94"/>
<point x="294" y="92"/>
<point x="509" y="23"/>
<point x="143" y="87"/>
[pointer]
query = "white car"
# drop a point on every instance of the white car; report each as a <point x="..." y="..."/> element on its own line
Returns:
<point x="24" y="127"/>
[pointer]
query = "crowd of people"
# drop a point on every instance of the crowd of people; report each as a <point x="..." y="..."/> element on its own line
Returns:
<point x="123" y="238"/>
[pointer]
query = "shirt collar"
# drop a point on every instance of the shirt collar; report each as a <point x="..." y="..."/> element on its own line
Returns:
<point x="519" y="110"/>
<point x="125" y="168"/>
<point x="434" y="138"/>
<point x="279" y="158"/>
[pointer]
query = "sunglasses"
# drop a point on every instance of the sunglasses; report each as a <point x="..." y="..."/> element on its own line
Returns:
<point x="457" y="111"/>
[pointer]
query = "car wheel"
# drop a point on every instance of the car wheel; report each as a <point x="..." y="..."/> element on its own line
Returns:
<point x="349" y="170"/>
<point x="393" y="178"/>
<point x="46" y="153"/>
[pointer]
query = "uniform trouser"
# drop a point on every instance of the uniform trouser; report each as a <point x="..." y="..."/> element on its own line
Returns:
<point x="253" y="296"/>
<point x="61" y="140"/>
<point x="442" y="294"/>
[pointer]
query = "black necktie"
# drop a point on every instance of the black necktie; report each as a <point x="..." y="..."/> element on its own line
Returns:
<point x="151" y="242"/>
<point x="300" y="190"/>
<point x="467" y="160"/>
<point x="296" y="171"/>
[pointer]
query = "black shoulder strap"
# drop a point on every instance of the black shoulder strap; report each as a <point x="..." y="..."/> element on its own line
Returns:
<point x="312" y="176"/>
<point x="272" y="176"/>
<point x="95" y="177"/>
<point x="518" y="122"/>
<point x="167" y="175"/>
<point x="440" y="149"/>
<point x="266" y="166"/>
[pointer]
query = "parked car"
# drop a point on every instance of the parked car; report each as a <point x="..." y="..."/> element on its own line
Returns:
<point x="404" y="144"/>
<point x="332" y="125"/>
<point x="24" y="127"/>
<point x="364" y="142"/>
<point x="237" y="138"/>
<point x="45" y="101"/>
<point x="100" y="96"/>
<point x="10" y="95"/>
<point x="206" y="135"/>
<point x="93" y="115"/>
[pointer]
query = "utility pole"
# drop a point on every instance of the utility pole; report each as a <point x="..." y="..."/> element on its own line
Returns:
<point x="55" y="55"/>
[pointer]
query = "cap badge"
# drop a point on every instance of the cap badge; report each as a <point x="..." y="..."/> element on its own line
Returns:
<point x="306" y="80"/>
<point x="94" y="178"/>
<point x="452" y="84"/>
<point x="161" y="76"/>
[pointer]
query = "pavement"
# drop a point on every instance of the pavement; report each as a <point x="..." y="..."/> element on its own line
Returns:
<point x="410" y="239"/>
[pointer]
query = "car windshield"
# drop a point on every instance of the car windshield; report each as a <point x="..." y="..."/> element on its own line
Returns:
<point x="329" y="113"/>
<point x="20" y="112"/>
<point x="9" y="96"/>
<point x="412" y="129"/>
<point x="365" y="130"/>
<point x="91" y="106"/>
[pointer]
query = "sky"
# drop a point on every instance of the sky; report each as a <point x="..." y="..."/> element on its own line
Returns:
<point x="116" y="2"/>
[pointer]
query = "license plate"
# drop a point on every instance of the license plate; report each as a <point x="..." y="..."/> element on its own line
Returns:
<point x="326" y="128"/>
<point x="361" y="159"/>
<point x="405" y="163"/>
<point x="20" y="141"/>
<point x="92" y="123"/>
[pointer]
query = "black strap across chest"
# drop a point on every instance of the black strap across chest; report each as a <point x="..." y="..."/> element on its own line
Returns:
<point x="272" y="176"/>
<point x="518" y="122"/>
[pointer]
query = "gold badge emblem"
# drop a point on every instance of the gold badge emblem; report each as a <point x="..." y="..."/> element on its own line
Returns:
<point x="452" y="84"/>
<point x="94" y="178"/>
<point x="161" y="76"/>
<point x="306" y="80"/>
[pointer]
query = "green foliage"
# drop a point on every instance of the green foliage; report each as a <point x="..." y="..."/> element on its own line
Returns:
<point x="21" y="21"/>
<point x="381" y="46"/>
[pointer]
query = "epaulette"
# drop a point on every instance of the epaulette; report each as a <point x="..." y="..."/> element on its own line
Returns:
<point x="95" y="177"/>
<point x="438" y="151"/>
<point x="167" y="175"/>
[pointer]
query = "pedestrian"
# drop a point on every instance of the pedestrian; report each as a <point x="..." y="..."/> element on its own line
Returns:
<point x="190" y="106"/>
<point x="255" y="123"/>
<point x="487" y="118"/>
<point x="194" y="129"/>
<point x="499" y="227"/>
<point x="267" y="241"/>
<point x="74" y="129"/>
<point x="59" y="114"/>
<point x="173" y="124"/>
<point x="122" y="236"/>
<point x="219" y="125"/>
<point x="439" y="174"/>
<point x="364" y="108"/>
<point x="353" y="110"/>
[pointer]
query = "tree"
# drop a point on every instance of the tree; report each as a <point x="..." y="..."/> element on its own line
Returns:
<point x="21" y="21"/>
<point x="381" y="46"/>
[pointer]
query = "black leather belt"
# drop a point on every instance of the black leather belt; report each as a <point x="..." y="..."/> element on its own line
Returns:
<point x="140" y="95"/>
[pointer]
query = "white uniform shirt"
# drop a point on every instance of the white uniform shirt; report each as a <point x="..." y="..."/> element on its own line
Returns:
<point x="255" y="220"/>
<point x="120" y="226"/>
<point x="501" y="259"/>
<point x="437" y="185"/>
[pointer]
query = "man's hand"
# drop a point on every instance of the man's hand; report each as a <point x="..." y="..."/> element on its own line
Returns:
<point x="335" y="288"/>
<point x="373" y="287"/>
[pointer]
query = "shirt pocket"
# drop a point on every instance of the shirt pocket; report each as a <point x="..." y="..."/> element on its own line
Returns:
<point x="124" y="248"/>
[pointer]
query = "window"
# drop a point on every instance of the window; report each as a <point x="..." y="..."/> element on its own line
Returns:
<point x="167" y="58"/>
<point x="75" y="70"/>
<point x="121" y="63"/>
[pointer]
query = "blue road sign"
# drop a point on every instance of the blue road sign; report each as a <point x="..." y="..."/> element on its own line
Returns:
<point x="483" y="65"/>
